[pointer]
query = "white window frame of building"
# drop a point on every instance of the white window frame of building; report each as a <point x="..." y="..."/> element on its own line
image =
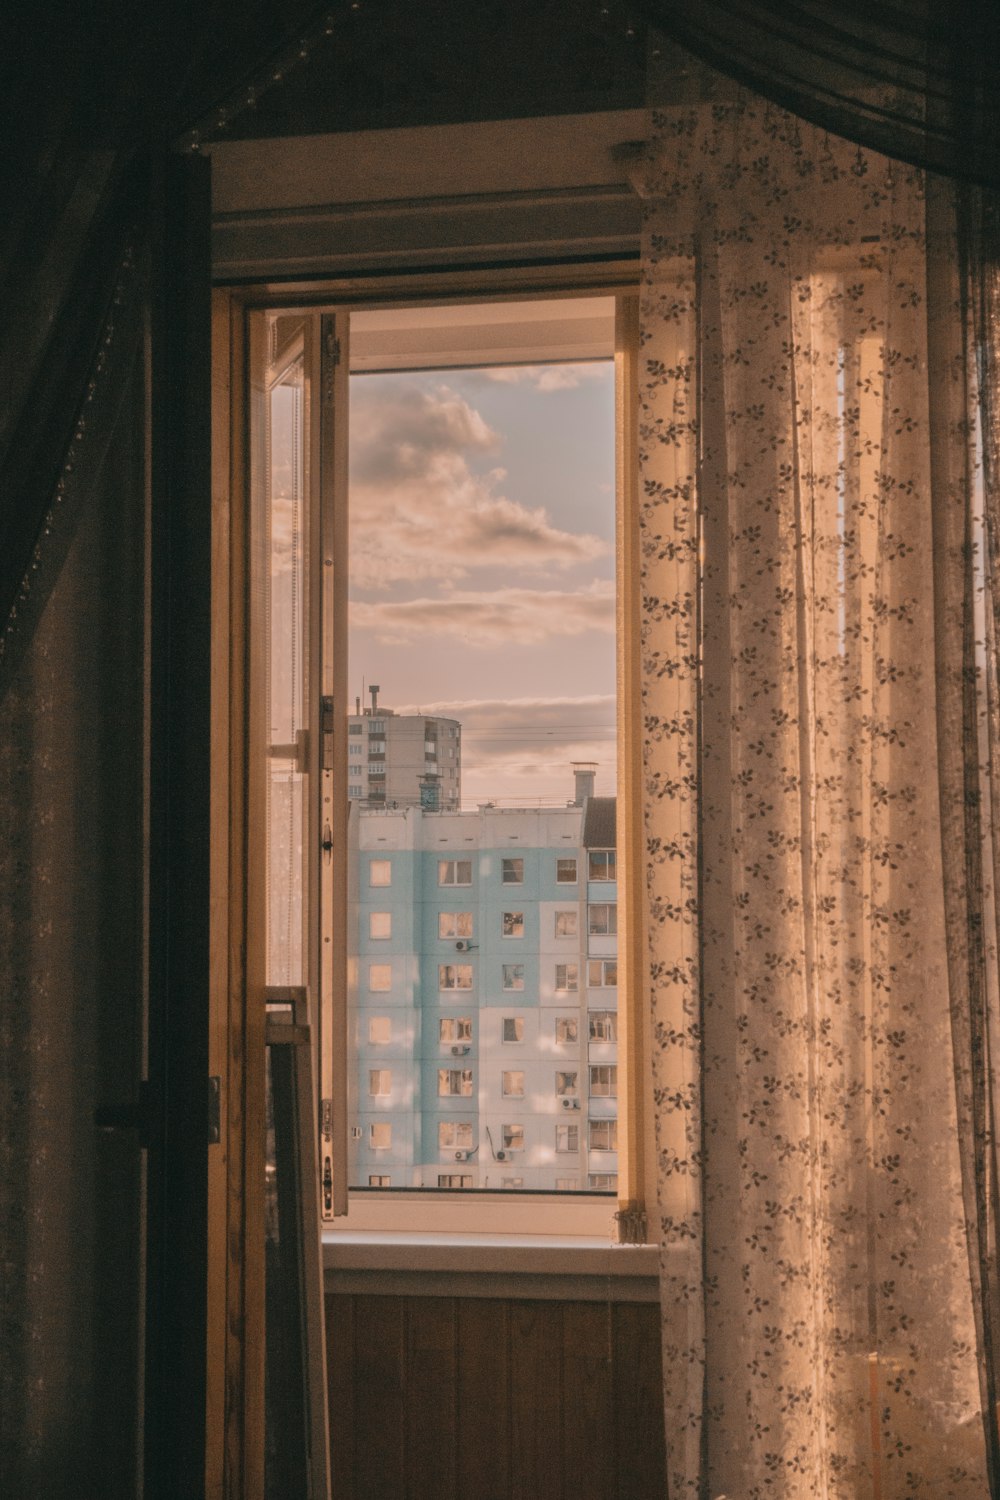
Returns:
<point x="567" y="1083"/>
<point x="602" y="1135"/>
<point x="454" y="1029"/>
<point x="567" y="1137"/>
<point x="353" y="750"/>
<point x="376" y="728"/>
<point x="454" y="924"/>
<point x="602" y="919"/>
<point x="455" y="1180"/>
<point x="380" y="1135"/>
<point x="379" y="979"/>
<point x="567" y="980"/>
<point x="603" y="1026"/>
<point x="602" y="1182"/>
<point x="567" y="1031"/>
<point x="379" y="926"/>
<point x="512" y="1029"/>
<point x="454" y="976"/>
<point x="566" y="924"/>
<point x="512" y="924"/>
<point x="454" y="872"/>
<point x="512" y="1083"/>
<point x="602" y="864"/>
<point x="512" y="869"/>
<point x="512" y="1184"/>
<point x="380" y="872"/>
<point x="379" y="1031"/>
<point x="380" y="1082"/>
<point x="567" y="1185"/>
<point x="602" y="973"/>
<point x="512" y="976"/>
<point x="455" y="1135"/>
<point x="604" y="1080"/>
<point x="566" y="870"/>
<point x="512" y="1137"/>
<point x="379" y="1179"/>
<point x="454" y="1083"/>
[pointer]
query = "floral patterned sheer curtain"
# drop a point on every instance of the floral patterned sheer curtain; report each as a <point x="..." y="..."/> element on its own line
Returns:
<point x="818" y="707"/>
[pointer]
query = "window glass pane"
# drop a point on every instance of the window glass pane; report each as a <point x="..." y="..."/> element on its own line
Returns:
<point x="513" y="976"/>
<point x="380" y="924"/>
<point x="512" y="924"/>
<point x="380" y="1135"/>
<point x="566" y="1030"/>
<point x="380" y="872"/>
<point x="566" y="1085"/>
<point x="379" y="1030"/>
<point x="513" y="1083"/>
<point x="513" y="1028"/>
<point x="567" y="978"/>
<point x="565" y="924"/>
<point x="455" y="976"/>
<point x="602" y="864"/>
<point x="379" y="977"/>
<point x="455" y="924"/>
<point x="566" y="871"/>
<point x="512" y="871"/>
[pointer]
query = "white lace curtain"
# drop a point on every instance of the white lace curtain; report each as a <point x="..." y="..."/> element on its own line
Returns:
<point x="818" y="880"/>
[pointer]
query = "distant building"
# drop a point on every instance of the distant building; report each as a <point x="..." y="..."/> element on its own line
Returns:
<point x="403" y="760"/>
<point x="484" y="997"/>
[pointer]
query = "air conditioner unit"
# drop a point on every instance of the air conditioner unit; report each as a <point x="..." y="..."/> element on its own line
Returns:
<point x="462" y="1155"/>
<point x="462" y="946"/>
<point x="460" y="1051"/>
<point x="502" y="1155"/>
<point x="571" y="1104"/>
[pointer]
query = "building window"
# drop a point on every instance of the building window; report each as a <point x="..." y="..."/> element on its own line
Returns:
<point x="603" y="1135"/>
<point x="603" y="1026"/>
<point x="566" y="1086"/>
<point x="354" y="728"/>
<point x="512" y="924"/>
<point x="379" y="924"/>
<point x="566" y="924"/>
<point x="380" y="1082"/>
<point x="380" y="872"/>
<point x="567" y="1137"/>
<point x="513" y="1137"/>
<point x="376" y="726"/>
<point x="354" y="749"/>
<point x="567" y="978"/>
<point x="602" y="973"/>
<point x="602" y="919"/>
<point x="567" y="1030"/>
<point x="513" y="976"/>
<point x="454" y="1179"/>
<point x="566" y="1184"/>
<point x="601" y="864"/>
<point x="513" y="1028"/>
<point x="379" y="1030"/>
<point x="454" y="872"/>
<point x="566" y="871"/>
<point x="512" y="1182"/>
<point x="454" y="976"/>
<point x="455" y="1135"/>
<point x="454" y="924"/>
<point x="380" y="1135"/>
<point x="455" y="1083"/>
<point x="605" y="1182"/>
<point x="512" y="871"/>
<point x="379" y="977"/>
<point x="604" y="1080"/>
<point x="455" y="1029"/>
<point x="379" y="1179"/>
<point x="513" y="1083"/>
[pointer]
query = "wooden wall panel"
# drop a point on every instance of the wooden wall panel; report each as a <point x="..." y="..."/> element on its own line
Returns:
<point x="460" y="1398"/>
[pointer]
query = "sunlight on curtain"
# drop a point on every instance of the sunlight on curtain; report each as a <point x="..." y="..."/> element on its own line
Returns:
<point x="802" y="417"/>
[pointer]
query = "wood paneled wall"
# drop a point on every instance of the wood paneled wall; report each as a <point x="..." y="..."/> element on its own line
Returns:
<point x="447" y="1398"/>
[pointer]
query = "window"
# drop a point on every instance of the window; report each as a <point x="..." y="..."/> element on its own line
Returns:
<point x="380" y="1135"/>
<point x="512" y="1083"/>
<point x="380" y="872"/>
<point x="376" y="726"/>
<point x="379" y="1179"/>
<point x="604" y="1080"/>
<point x="603" y="1135"/>
<point x="455" y="976"/>
<point x="455" y="1179"/>
<point x="454" y="924"/>
<point x="512" y="1182"/>
<point x="566" y="1085"/>
<point x="567" y="978"/>
<point x="603" y="1026"/>
<point x="565" y="924"/>
<point x="513" y="1137"/>
<point x="512" y="924"/>
<point x="512" y="871"/>
<point x="454" y="872"/>
<point x="455" y="1029"/>
<point x="567" y="1030"/>
<point x="380" y="1082"/>
<point x="379" y="977"/>
<point x="566" y="1184"/>
<point x="354" y="750"/>
<point x="379" y="925"/>
<point x="354" y="728"/>
<point x="513" y="976"/>
<point x="566" y="871"/>
<point x="602" y="973"/>
<point x="455" y="1082"/>
<point x="513" y="1028"/>
<point x="601" y="864"/>
<point x="379" y="1030"/>
<point x="602" y="919"/>
<point x="605" y="1182"/>
<point x="567" y="1137"/>
<point x="455" y="1135"/>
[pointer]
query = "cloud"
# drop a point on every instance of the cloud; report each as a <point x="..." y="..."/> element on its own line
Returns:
<point x="420" y="510"/>
<point x="498" y="617"/>
<point x="564" y="377"/>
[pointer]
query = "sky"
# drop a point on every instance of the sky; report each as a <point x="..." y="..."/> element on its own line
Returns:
<point x="482" y="565"/>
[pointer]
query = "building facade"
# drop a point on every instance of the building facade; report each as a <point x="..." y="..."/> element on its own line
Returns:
<point x="403" y="760"/>
<point x="484" y="998"/>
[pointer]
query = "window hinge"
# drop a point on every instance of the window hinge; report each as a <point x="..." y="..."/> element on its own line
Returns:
<point x="214" y="1110"/>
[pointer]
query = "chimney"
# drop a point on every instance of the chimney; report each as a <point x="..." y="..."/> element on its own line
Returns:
<point x="584" y="776"/>
<point x="374" y="692"/>
<point x="357" y="707"/>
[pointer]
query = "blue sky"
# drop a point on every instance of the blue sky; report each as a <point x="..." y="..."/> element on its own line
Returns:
<point x="482" y="563"/>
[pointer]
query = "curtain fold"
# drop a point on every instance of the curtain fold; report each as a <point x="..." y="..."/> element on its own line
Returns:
<point x="819" y="872"/>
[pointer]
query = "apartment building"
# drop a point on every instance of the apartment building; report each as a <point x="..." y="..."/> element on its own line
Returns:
<point x="484" y="997"/>
<point x="403" y="760"/>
